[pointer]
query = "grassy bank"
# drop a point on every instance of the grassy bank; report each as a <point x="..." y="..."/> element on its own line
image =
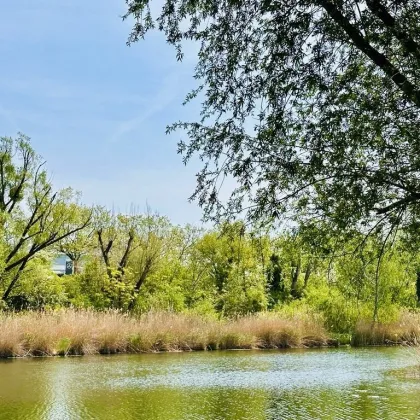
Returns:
<point x="69" y="332"/>
<point x="87" y="332"/>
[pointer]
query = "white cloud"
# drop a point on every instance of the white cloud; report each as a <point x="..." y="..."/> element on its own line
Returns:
<point x="153" y="105"/>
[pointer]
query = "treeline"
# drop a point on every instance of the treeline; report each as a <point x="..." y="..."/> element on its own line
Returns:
<point x="142" y="262"/>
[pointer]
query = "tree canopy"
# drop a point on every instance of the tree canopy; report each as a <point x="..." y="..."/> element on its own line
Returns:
<point x="312" y="106"/>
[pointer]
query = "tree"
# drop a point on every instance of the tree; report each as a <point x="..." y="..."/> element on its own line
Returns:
<point x="32" y="217"/>
<point x="153" y="233"/>
<point x="309" y="105"/>
<point x="130" y="247"/>
<point x="233" y="269"/>
<point x="116" y="235"/>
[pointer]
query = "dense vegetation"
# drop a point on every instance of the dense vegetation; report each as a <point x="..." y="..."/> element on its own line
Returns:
<point x="143" y="263"/>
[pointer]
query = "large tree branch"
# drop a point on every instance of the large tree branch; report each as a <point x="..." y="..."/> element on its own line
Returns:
<point x="15" y="195"/>
<point x="124" y="259"/>
<point x="410" y="90"/>
<point x="380" y="11"/>
<point x="105" y="252"/>
<point x="53" y="238"/>
<point x="2" y="185"/>
<point x="31" y="222"/>
<point x="15" y="279"/>
<point x="399" y="203"/>
<point x="143" y="275"/>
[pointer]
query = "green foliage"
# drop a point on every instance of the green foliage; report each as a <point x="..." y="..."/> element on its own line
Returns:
<point x="311" y="106"/>
<point x="39" y="288"/>
<point x="229" y="272"/>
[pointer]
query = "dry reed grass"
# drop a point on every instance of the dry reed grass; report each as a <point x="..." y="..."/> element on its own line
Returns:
<point x="405" y="331"/>
<point x="70" y="332"/>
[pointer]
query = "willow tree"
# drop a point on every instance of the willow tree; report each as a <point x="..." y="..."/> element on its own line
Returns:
<point x="311" y="106"/>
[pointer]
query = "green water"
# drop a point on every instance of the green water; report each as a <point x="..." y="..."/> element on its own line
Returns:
<point x="298" y="384"/>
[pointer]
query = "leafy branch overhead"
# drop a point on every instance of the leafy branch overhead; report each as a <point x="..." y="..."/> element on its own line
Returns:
<point x="311" y="106"/>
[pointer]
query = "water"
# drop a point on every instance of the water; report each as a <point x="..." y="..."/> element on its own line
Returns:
<point x="296" y="384"/>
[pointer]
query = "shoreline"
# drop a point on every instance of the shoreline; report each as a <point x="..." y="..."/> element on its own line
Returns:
<point x="257" y="349"/>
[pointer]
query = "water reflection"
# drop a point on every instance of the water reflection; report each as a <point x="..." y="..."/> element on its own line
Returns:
<point x="320" y="384"/>
<point x="61" y="401"/>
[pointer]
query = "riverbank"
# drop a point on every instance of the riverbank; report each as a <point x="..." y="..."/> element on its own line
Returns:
<point x="69" y="332"/>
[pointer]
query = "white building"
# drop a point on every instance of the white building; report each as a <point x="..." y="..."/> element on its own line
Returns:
<point x="62" y="265"/>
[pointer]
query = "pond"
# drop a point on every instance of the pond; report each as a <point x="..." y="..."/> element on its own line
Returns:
<point x="291" y="384"/>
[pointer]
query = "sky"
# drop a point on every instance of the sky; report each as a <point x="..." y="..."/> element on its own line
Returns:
<point x="95" y="109"/>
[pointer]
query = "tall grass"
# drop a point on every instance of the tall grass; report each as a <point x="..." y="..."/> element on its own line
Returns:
<point x="70" y="332"/>
<point x="73" y="332"/>
<point x="405" y="331"/>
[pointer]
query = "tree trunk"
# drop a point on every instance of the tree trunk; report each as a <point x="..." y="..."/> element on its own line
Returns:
<point x="14" y="281"/>
<point x="295" y="278"/>
<point x="139" y="283"/>
<point x="376" y="301"/>
<point x="308" y="272"/>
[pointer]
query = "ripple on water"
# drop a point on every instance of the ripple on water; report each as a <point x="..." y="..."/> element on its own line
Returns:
<point x="318" y="384"/>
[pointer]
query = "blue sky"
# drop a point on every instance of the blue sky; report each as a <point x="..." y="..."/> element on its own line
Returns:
<point x="94" y="108"/>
